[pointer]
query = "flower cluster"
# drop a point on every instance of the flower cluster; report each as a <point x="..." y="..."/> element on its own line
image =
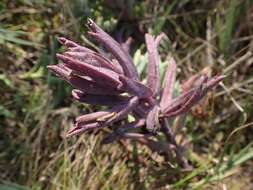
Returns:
<point x="115" y="83"/>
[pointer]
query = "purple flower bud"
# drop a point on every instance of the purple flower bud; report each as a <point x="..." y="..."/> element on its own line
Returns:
<point x="168" y="84"/>
<point x="101" y="75"/>
<point x="115" y="48"/>
<point x="153" y="75"/>
<point x="101" y="100"/>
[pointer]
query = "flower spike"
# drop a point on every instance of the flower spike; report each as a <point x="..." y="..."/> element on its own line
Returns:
<point x="114" y="83"/>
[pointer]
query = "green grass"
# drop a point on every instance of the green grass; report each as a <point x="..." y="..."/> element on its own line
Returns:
<point x="36" y="108"/>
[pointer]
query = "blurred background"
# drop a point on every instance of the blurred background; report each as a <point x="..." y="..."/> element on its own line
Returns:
<point x="36" y="108"/>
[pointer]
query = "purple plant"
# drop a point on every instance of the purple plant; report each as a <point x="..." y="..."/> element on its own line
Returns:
<point x="115" y="83"/>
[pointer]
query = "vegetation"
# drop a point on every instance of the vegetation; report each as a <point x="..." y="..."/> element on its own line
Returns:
<point x="37" y="110"/>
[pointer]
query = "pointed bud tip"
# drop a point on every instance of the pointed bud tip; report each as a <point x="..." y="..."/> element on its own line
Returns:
<point x="58" y="55"/>
<point x="72" y="54"/>
<point x="62" y="40"/>
<point x="73" y="131"/>
<point x="221" y="77"/>
<point x="89" y="22"/>
<point x="77" y="93"/>
<point x="52" y="67"/>
<point x="148" y="35"/>
<point x="68" y="136"/>
<point x="61" y="57"/>
<point x="68" y="53"/>
<point x="218" y="78"/>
